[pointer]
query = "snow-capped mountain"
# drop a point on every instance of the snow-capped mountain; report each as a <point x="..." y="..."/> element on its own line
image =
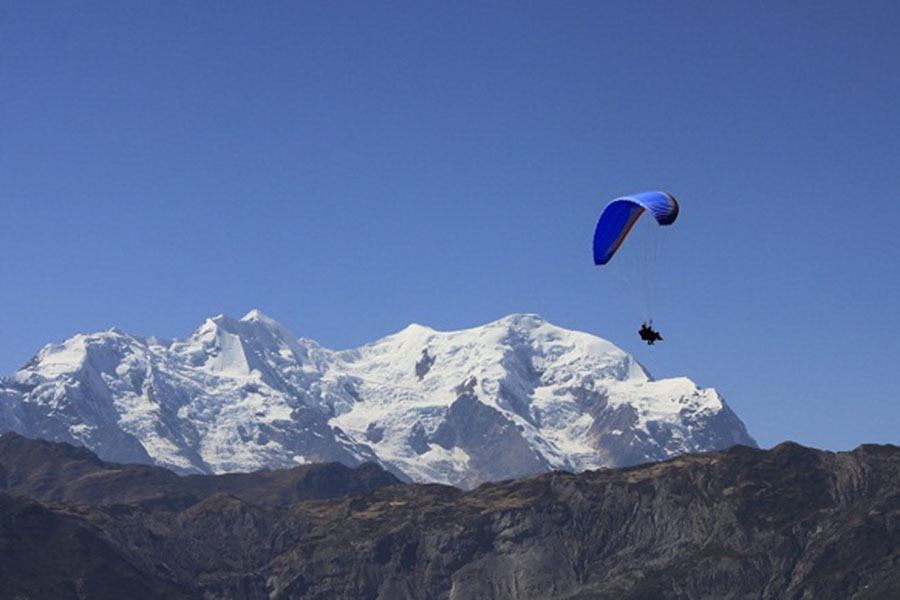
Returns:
<point x="510" y="398"/>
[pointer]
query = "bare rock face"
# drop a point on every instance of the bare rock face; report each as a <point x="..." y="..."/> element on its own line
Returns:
<point x="513" y="397"/>
<point x="467" y="426"/>
<point x="47" y="553"/>
<point x="790" y="522"/>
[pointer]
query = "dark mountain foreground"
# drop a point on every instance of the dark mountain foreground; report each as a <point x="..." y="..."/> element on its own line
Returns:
<point x="787" y="523"/>
<point x="56" y="472"/>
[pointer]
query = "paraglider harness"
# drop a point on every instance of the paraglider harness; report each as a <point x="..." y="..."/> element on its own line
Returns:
<point x="648" y="335"/>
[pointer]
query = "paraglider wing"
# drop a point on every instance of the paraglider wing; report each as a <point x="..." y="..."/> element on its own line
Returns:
<point x="620" y="215"/>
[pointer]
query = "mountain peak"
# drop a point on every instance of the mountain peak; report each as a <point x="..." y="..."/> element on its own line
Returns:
<point x="247" y="326"/>
<point x="415" y="329"/>
<point x="220" y="320"/>
<point x="257" y="316"/>
<point x="523" y="319"/>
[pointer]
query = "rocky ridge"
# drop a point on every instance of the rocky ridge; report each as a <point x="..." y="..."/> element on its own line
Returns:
<point x="790" y="522"/>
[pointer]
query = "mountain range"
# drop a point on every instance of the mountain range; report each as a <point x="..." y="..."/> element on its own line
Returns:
<point x="508" y="399"/>
<point x="787" y="523"/>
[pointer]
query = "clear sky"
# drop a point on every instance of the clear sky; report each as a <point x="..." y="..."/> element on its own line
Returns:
<point x="351" y="167"/>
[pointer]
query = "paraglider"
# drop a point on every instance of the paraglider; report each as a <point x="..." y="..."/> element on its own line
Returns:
<point x="616" y="222"/>
<point x="621" y="214"/>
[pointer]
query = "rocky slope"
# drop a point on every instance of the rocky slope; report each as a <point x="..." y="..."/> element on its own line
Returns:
<point x="744" y="523"/>
<point x="508" y="399"/>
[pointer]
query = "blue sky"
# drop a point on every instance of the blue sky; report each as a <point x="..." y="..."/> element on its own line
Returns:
<point x="351" y="167"/>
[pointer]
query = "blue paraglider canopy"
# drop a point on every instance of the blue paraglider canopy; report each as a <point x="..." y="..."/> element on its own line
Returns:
<point x="620" y="215"/>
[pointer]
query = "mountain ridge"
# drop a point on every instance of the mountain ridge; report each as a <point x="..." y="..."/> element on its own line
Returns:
<point x="60" y="472"/>
<point x="790" y="522"/>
